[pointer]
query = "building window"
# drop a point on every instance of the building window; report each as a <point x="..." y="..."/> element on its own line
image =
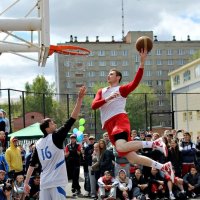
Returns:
<point x="191" y="51"/>
<point x="159" y="82"/>
<point x="113" y="63"/>
<point x="180" y="62"/>
<point x="170" y="62"/>
<point x="148" y="83"/>
<point x="181" y="52"/>
<point x="158" y="52"/>
<point x="68" y="74"/>
<point x="197" y="71"/>
<point x="91" y="84"/>
<point x="184" y="116"/>
<point x="190" y="116"/>
<point x="159" y="73"/>
<point x="124" y="63"/>
<point x="158" y="62"/>
<point x="91" y="53"/>
<point x="102" y="63"/>
<point x="169" y="52"/>
<point x="67" y="63"/>
<point x="125" y="53"/>
<point x="91" y="63"/>
<point x="176" y="80"/>
<point x="91" y="74"/>
<point x="113" y="53"/>
<point x="160" y="103"/>
<point x="125" y="73"/>
<point x="101" y="53"/>
<point x="161" y="92"/>
<point x="137" y="58"/>
<point x="186" y="75"/>
<point x="102" y="73"/>
<point x="148" y="62"/>
<point x="148" y="73"/>
<point x="198" y="115"/>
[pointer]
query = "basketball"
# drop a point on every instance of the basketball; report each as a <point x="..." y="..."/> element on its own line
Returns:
<point x="144" y="42"/>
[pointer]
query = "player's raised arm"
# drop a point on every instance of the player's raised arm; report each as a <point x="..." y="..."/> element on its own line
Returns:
<point x="79" y="100"/>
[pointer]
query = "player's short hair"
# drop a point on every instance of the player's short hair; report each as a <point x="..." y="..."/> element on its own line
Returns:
<point x="118" y="73"/>
<point x="44" y="124"/>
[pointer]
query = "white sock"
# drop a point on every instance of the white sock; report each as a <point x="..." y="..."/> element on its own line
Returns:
<point x="156" y="165"/>
<point x="147" y="144"/>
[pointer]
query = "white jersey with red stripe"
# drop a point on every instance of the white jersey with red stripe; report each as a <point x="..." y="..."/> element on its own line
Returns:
<point x="52" y="160"/>
<point x="112" y="107"/>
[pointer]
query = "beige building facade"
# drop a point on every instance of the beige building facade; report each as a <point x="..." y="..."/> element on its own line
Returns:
<point x="166" y="56"/>
<point x="185" y="85"/>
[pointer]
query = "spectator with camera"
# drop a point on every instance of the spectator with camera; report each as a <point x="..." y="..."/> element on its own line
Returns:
<point x="5" y="187"/>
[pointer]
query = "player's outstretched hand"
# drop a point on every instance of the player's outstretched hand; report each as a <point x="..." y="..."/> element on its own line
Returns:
<point x="143" y="56"/>
<point x="82" y="92"/>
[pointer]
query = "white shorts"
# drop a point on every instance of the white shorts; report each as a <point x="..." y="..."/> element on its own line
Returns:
<point x="55" y="193"/>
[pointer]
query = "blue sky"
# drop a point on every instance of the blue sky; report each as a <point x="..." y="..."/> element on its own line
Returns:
<point x="83" y="18"/>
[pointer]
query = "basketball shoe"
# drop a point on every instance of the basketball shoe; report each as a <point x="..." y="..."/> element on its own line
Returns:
<point x="161" y="146"/>
<point x="168" y="170"/>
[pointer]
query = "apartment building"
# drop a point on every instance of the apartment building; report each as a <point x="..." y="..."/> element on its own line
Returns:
<point x="166" y="56"/>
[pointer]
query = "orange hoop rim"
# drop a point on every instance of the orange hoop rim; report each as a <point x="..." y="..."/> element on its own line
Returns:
<point x="68" y="50"/>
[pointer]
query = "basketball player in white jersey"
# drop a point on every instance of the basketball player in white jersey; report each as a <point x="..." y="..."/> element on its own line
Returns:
<point x="111" y="101"/>
<point x="50" y="153"/>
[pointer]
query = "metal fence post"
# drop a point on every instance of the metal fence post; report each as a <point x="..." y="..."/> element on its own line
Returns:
<point x="23" y="109"/>
<point x="9" y="111"/>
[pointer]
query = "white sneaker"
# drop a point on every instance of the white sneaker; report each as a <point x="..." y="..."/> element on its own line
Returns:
<point x="171" y="196"/>
<point x="161" y="146"/>
<point x="167" y="169"/>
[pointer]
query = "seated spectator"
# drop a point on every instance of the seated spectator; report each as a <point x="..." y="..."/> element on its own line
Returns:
<point x="157" y="185"/>
<point x="35" y="187"/>
<point x="125" y="185"/>
<point x="107" y="186"/>
<point x="192" y="182"/>
<point x="18" y="193"/>
<point x="139" y="185"/>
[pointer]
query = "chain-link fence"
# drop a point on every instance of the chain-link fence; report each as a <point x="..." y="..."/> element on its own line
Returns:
<point x="146" y="111"/>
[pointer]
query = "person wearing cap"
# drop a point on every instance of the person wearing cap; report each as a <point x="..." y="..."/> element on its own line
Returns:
<point x="88" y="159"/>
<point x="13" y="157"/>
<point x="72" y="154"/>
<point x="125" y="185"/>
<point x="49" y="153"/>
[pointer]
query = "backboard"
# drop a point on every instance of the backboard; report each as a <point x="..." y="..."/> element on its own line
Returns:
<point x="38" y="27"/>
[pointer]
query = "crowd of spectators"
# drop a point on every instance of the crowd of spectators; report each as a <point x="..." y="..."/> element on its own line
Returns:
<point x="108" y="176"/>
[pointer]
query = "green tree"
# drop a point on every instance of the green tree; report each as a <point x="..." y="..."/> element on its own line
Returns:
<point x="38" y="94"/>
<point x="135" y="106"/>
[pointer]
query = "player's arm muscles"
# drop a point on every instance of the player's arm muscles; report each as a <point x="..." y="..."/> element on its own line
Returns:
<point x="98" y="101"/>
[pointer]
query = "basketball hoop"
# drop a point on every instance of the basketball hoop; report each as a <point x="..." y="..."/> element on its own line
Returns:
<point x="68" y="50"/>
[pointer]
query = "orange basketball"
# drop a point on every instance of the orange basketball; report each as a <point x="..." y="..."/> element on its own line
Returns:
<point x="144" y="42"/>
